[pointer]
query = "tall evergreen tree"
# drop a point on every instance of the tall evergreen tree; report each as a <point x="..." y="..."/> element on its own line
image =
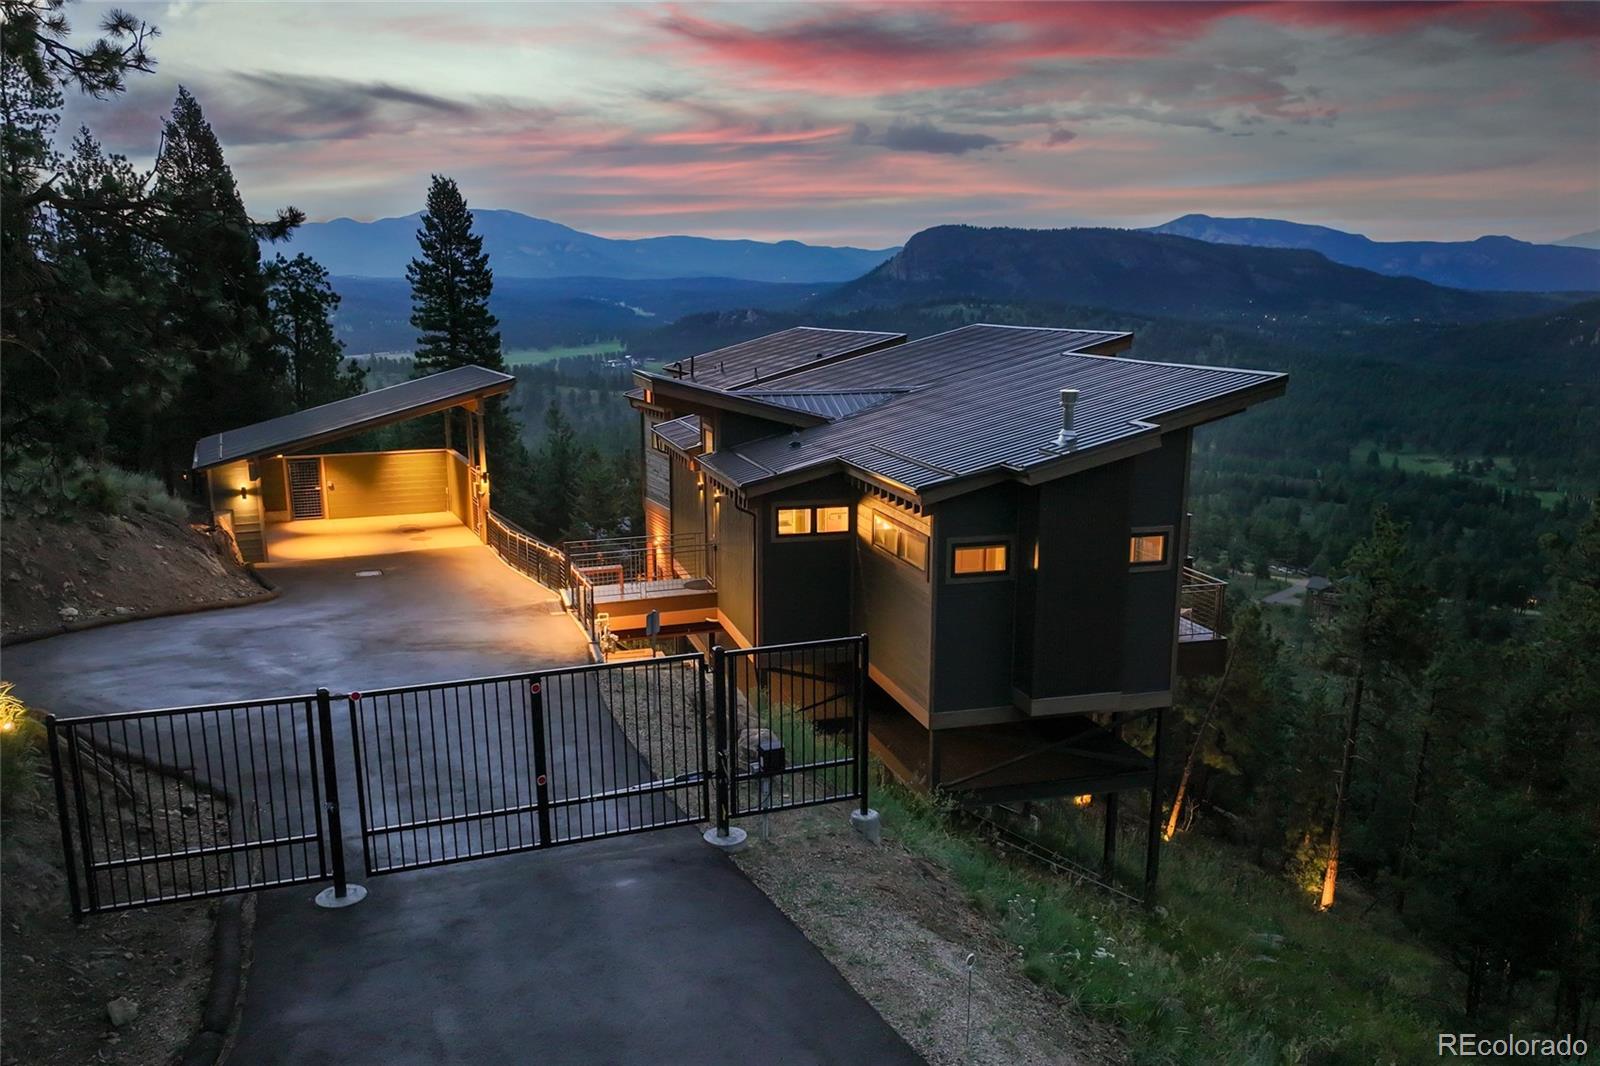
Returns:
<point x="560" y="465"/>
<point x="303" y="302"/>
<point x="1373" y="639"/>
<point x="450" y="287"/>
<point x="219" y="291"/>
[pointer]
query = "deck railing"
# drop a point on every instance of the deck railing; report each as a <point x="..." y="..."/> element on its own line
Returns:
<point x="627" y="567"/>
<point x="1200" y="603"/>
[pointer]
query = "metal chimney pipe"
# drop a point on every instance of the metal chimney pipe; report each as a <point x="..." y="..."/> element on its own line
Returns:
<point x="1068" y="437"/>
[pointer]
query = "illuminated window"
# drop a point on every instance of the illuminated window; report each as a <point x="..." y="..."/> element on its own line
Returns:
<point x="914" y="549"/>
<point x="833" y="519"/>
<point x="885" y="534"/>
<point x="794" y="521"/>
<point x="708" y="439"/>
<point x="978" y="559"/>
<point x="1147" y="549"/>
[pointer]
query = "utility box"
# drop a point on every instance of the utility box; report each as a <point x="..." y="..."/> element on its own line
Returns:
<point x="769" y="755"/>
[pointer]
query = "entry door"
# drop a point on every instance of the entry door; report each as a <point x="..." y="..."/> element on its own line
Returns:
<point x="305" y="488"/>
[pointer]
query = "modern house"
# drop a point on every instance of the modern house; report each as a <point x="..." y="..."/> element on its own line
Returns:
<point x="1002" y="510"/>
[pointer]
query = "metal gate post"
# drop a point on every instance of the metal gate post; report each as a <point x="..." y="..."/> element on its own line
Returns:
<point x="342" y="894"/>
<point x="864" y="820"/>
<point x="722" y="835"/>
<point x="541" y="760"/>
<point x="61" y="816"/>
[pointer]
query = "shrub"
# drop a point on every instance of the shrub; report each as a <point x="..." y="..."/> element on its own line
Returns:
<point x="21" y="737"/>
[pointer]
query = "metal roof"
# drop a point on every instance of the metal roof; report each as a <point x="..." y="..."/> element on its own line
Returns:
<point x="330" y="421"/>
<point x="829" y="405"/>
<point x="778" y="354"/>
<point x="986" y="399"/>
<point x="682" y="433"/>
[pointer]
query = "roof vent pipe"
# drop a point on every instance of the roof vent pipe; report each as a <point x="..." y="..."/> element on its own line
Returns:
<point x="1067" y="439"/>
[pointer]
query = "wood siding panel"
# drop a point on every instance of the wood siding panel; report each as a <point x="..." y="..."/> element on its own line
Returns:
<point x="973" y="616"/>
<point x="657" y="468"/>
<point x="805" y="581"/>
<point x="893" y="605"/>
<point x="458" y="487"/>
<point x="1155" y="499"/>
<point x="735" y="565"/>
<point x="688" y="500"/>
<point x="1081" y="585"/>
<point x="384" y="483"/>
<point x="224" y="483"/>
<point x="275" y="487"/>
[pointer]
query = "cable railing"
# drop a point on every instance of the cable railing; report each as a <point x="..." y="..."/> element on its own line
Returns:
<point x="1200" y="604"/>
<point x="630" y="567"/>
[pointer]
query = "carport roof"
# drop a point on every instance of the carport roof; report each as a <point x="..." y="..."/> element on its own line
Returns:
<point x="330" y="421"/>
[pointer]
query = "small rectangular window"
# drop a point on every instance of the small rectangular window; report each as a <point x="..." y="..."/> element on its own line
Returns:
<point x="914" y="549"/>
<point x="1147" y="549"/>
<point x="885" y="534"/>
<point x="794" y="521"/>
<point x="979" y="559"/>
<point x="833" y="519"/>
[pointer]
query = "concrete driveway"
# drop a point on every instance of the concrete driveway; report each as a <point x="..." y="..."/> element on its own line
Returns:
<point x="641" y="948"/>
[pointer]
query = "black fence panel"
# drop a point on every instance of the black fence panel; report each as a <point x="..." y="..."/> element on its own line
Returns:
<point x="796" y="726"/>
<point x="189" y="802"/>
<point x="490" y="766"/>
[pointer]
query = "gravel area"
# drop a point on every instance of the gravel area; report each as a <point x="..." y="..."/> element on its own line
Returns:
<point x="900" y="930"/>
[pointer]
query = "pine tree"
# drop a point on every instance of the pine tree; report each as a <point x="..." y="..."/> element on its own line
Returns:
<point x="559" y="462"/>
<point x="218" y="302"/>
<point x="450" y="287"/>
<point x="303" y="303"/>
<point x="1373" y="639"/>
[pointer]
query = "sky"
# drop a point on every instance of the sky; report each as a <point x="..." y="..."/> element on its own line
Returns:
<point x="862" y="123"/>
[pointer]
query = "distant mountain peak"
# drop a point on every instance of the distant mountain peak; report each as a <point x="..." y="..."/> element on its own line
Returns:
<point x="1491" y="262"/>
<point x="524" y="246"/>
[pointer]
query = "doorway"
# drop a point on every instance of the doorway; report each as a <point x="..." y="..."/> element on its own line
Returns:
<point x="305" y="488"/>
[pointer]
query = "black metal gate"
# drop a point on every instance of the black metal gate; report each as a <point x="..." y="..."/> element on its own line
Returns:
<point x="489" y="766"/>
<point x="188" y="802"/>
<point x="305" y="488"/>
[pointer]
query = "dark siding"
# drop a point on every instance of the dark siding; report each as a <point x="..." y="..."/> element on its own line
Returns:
<point x="972" y="647"/>
<point x="893" y="605"/>
<point x="1082" y="579"/>
<point x="688" y="500"/>
<point x="805" y="581"/>
<point x="1155" y="498"/>
<point x="736" y="564"/>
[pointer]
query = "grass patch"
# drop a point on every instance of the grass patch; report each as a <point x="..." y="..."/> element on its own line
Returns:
<point x="1415" y="461"/>
<point x="86" y="488"/>
<point x="1234" y="967"/>
<point x="535" y="356"/>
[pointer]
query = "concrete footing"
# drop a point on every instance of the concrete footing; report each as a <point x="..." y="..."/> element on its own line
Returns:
<point x="734" y="841"/>
<point x="867" y="824"/>
<point x="353" y="894"/>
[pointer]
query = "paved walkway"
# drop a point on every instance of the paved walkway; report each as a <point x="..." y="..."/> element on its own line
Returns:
<point x="641" y="948"/>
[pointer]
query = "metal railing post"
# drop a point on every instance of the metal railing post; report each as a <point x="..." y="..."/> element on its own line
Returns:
<point x="541" y="760"/>
<point x="342" y="894"/>
<point x="61" y="816"/>
<point x="862" y="740"/>
<point x="719" y="672"/>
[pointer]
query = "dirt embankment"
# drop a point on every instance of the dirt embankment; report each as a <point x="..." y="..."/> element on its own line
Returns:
<point x="63" y="574"/>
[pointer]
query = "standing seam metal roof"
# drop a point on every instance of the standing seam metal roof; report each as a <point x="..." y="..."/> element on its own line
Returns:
<point x="330" y="421"/>
<point x="996" y="405"/>
<point x="760" y="360"/>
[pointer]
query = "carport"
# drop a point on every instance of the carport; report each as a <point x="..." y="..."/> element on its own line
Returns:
<point x="269" y="486"/>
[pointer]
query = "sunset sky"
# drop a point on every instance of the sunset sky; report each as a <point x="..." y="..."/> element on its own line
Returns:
<point x="860" y="124"/>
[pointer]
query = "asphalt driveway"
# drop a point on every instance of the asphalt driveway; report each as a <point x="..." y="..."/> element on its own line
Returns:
<point x="640" y="948"/>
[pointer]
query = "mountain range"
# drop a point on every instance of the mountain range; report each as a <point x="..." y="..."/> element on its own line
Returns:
<point x="1488" y="263"/>
<point x="1161" y="274"/>
<point x="521" y="246"/>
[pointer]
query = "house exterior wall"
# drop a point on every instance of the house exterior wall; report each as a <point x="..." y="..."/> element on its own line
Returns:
<point x="275" y="489"/>
<point x="974" y="617"/>
<point x="244" y="509"/>
<point x="688" y="500"/>
<point x="892" y="603"/>
<point x="805" y="580"/>
<point x="457" y="486"/>
<point x="361" y="484"/>
<point x="1158" y="484"/>
<point x="735" y="567"/>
